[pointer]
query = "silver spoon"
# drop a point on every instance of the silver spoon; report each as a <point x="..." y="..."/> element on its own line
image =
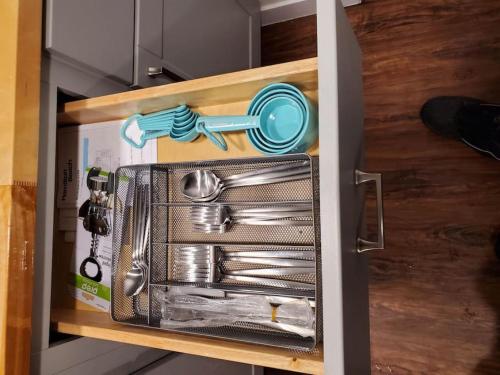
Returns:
<point x="204" y="185"/>
<point x="134" y="280"/>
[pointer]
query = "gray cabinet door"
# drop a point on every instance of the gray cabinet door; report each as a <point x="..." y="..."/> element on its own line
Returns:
<point x="203" y="38"/>
<point x="195" y="38"/>
<point x="94" y="34"/>
<point x="148" y="51"/>
<point x="346" y="331"/>
<point x="186" y="364"/>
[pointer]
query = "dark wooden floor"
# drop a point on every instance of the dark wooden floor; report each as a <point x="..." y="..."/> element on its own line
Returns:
<point x="435" y="291"/>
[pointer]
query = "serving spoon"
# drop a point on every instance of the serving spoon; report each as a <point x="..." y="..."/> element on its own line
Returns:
<point x="204" y="185"/>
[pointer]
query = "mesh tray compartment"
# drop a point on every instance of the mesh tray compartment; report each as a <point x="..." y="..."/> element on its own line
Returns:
<point x="173" y="223"/>
<point x="133" y="310"/>
<point x="159" y="263"/>
<point x="317" y="242"/>
<point x="244" y="332"/>
<point x="171" y="227"/>
<point x="165" y="253"/>
<point x="168" y="177"/>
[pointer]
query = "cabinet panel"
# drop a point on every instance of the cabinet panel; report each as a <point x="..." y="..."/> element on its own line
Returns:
<point x="204" y="38"/>
<point x="351" y="153"/>
<point x="149" y="25"/>
<point x="345" y="271"/>
<point x="195" y="38"/>
<point x="191" y="365"/>
<point x="95" y="34"/>
<point x="89" y="356"/>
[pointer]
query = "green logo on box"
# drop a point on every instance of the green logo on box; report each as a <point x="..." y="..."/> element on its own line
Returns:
<point x="92" y="287"/>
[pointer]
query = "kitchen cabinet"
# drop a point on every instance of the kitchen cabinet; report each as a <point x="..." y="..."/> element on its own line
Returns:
<point x="332" y="82"/>
<point x="219" y="35"/>
<point x="121" y="39"/>
<point x="191" y="365"/>
<point x="88" y="356"/>
<point x="96" y="35"/>
<point x="192" y="39"/>
<point x="85" y="356"/>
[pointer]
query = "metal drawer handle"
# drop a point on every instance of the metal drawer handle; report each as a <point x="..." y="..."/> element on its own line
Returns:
<point x="362" y="244"/>
<point x="156" y="71"/>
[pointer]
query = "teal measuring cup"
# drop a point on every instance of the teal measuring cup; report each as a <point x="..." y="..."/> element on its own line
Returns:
<point x="273" y="142"/>
<point x="269" y="92"/>
<point x="279" y="120"/>
<point x="309" y="132"/>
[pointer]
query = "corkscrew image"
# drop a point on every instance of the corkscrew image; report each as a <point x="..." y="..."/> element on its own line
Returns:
<point x="96" y="214"/>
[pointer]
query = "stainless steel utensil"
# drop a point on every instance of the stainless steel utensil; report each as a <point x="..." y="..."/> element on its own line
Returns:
<point x="205" y="186"/>
<point x="200" y="267"/>
<point x="214" y="254"/>
<point x="136" y="277"/>
<point x="220" y="218"/>
<point x="209" y="228"/>
<point x="220" y="212"/>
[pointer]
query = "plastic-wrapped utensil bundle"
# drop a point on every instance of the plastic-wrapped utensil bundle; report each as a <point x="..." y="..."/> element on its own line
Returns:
<point x="279" y="120"/>
<point x="191" y="311"/>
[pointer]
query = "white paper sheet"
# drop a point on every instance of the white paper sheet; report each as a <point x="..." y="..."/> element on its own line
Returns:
<point x="80" y="148"/>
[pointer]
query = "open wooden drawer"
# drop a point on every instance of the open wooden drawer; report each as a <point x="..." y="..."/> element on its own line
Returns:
<point x="219" y="95"/>
<point x="337" y="89"/>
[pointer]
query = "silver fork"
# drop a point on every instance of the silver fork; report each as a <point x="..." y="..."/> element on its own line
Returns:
<point x="199" y="266"/>
<point x="141" y="256"/>
<point x="136" y="278"/>
<point x="220" y="218"/>
<point x="214" y="254"/>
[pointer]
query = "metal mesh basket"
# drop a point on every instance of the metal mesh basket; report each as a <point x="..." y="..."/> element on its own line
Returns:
<point x="171" y="228"/>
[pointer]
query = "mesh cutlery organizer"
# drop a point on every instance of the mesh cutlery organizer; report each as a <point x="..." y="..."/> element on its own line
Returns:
<point x="170" y="228"/>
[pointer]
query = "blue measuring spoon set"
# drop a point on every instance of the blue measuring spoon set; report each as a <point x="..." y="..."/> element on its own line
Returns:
<point x="279" y="120"/>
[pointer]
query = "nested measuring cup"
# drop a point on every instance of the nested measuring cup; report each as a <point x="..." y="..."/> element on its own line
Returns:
<point x="278" y="121"/>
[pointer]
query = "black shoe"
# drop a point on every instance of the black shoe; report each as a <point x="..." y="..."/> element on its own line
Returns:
<point x="470" y="120"/>
<point x="497" y="247"/>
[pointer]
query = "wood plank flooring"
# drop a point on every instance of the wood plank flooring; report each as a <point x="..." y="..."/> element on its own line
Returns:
<point x="435" y="291"/>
